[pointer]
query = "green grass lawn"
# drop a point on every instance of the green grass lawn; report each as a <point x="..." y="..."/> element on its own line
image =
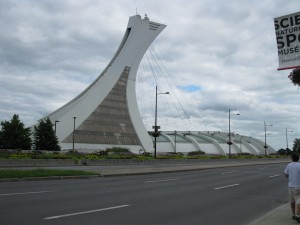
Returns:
<point x="42" y="173"/>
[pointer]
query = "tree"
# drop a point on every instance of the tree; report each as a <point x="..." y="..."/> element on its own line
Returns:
<point x="44" y="136"/>
<point x="295" y="76"/>
<point x="296" y="146"/>
<point x="282" y="151"/>
<point x="1" y="140"/>
<point x="14" y="135"/>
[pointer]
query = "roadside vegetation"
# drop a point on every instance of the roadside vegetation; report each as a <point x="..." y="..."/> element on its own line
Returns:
<point x="13" y="173"/>
<point x="120" y="153"/>
<point x="18" y="142"/>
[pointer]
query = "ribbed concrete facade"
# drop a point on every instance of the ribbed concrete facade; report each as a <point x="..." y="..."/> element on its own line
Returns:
<point x="110" y="122"/>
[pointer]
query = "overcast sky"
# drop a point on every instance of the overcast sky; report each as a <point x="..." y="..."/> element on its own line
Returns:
<point x="220" y="54"/>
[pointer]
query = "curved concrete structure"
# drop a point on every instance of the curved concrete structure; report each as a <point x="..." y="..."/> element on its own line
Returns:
<point x="210" y="143"/>
<point x="106" y="113"/>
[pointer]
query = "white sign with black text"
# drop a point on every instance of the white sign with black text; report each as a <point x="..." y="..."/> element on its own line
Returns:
<point x="287" y="30"/>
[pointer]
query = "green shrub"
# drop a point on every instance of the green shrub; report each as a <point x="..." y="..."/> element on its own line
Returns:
<point x="218" y="156"/>
<point x="195" y="153"/>
<point x="5" y="154"/>
<point x="244" y="155"/>
<point x="75" y="154"/>
<point x="101" y="153"/>
<point x="94" y="156"/>
<point x="171" y="155"/>
<point x="119" y="153"/>
<point x="118" y="150"/>
<point x="146" y="154"/>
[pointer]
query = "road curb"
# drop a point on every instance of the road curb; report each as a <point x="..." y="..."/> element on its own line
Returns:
<point x="178" y="168"/>
<point x="48" y="178"/>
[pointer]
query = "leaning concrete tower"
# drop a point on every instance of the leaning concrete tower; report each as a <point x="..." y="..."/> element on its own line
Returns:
<point x="106" y="113"/>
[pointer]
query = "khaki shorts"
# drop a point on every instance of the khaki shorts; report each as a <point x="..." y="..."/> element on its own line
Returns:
<point x="294" y="195"/>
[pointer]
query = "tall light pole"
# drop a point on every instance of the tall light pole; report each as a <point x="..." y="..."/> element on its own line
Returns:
<point x="287" y="142"/>
<point x="229" y="134"/>
<point x="241" y="143"/>
<point x="266" y="146"/>
<point x="175" y="140"/>
<point x="155" y="127"/>
<point x="74" y="134"/>
<point x="56" y="121"/>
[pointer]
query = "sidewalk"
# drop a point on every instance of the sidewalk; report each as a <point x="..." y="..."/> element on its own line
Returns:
<point x="279" y="216"/>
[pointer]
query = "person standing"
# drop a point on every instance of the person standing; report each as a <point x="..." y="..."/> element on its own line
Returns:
<point x="292" y="172"/>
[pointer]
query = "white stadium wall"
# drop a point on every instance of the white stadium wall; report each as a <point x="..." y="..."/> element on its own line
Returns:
<point x="214" y="143"/>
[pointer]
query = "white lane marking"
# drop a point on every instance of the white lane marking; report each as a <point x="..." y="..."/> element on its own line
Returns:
<point x="262" y="168"/>
<point x="232" y="185"/>
<point x="27" y="193"/>
<point x="228" y="172"/>
<point x="85" y="212"/>
<point x="251" y="172"/>
<point x="154" y="181"/>
<point x="276" y="175"/>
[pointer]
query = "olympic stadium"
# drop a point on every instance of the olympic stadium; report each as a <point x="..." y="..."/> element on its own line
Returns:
<point x="106" y="113"/>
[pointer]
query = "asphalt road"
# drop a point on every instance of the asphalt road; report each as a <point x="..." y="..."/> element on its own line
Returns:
<point x="227" y="196"/>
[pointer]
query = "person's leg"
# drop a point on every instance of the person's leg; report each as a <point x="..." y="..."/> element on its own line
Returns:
<point x="293" y="208"/>
<point x="296" y="194"/>
<point x="297" y="209"/>
<point x="292" y="203"/>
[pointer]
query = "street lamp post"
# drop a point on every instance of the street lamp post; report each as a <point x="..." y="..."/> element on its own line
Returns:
<point x="266" y="146"/>
<point x="56" y="121"/>
<point x="229" y="134"/>
<point x="241" y="143"/>
<point x="74" y="134"/>
<point x="175" y="140"/>
<point x="287" y="142"/>
<point x="155" y="127"/>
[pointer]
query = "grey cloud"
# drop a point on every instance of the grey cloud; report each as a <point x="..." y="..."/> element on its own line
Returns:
<point x="50" y="51"/>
